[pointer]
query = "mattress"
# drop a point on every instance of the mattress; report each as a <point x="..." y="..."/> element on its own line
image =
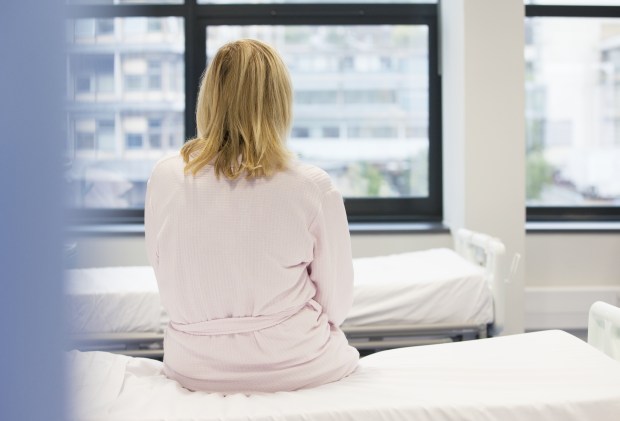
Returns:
<point x="550" y="376"/>
<point x="424" y="287"/>
<point x="113" y="300"/>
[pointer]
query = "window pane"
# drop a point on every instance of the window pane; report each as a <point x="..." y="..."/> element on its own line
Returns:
<point x="105" y="26"/>
<point x="573" y="111"/>
<point x="84" y="140"/>
<point x="125" y="94"/>
<point x="134" y="140"/>
<point x="360" y="101"/>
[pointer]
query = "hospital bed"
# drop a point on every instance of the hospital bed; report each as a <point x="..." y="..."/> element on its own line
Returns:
<point x="548" y="375"/>
<point x="415" y="298"/>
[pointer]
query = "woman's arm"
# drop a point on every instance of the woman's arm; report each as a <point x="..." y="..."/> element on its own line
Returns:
<point x="150" y="235"/>
<point x="332" y="267"/>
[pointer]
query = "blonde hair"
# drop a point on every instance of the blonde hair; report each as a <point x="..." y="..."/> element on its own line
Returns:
<point x="243" y="113"/>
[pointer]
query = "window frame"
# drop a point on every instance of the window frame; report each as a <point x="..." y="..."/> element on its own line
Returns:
<point x="197" y="17"/>
<point x="572" y="213"/>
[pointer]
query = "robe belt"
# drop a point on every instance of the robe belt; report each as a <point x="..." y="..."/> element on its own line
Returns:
<point x="232" y="325"/>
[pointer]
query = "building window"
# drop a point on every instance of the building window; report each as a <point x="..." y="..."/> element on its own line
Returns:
<point x="379" y="96"/>
<point x="92" y="73"/>
<point x="134" y="82"/>
<point x="572" y="100"/>
<point x="316" y="97"/>
<point x="84" y="28"/>
<point x="377" y="72"/>
<point x="106" y="135"/>
<point x="85" y="141"/>
<point x="134" y="140"/>
<point x="154" y="25"/>
<point x="154" y="75"/>
<point x="105" y="26"/>
<point x="155" y="134"/>
<point x="331" y="132"/>
<point x="83" y="84"/>
<point x="297" y="132"/>
<point x="360" y="94"/>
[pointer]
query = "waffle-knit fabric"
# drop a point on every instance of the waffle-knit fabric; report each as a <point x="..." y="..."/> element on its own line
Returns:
<point x="256" y="276"/>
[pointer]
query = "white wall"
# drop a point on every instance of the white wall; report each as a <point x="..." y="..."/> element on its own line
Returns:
<point x="573" y="260"/>
<point x="483" y="80"/>
<point x="554" y="260"/>
<point x="128" y="250"/>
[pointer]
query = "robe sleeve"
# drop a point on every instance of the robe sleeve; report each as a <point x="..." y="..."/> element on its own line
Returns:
<point x="332" y="267"/>
<point x="150" y="235"/>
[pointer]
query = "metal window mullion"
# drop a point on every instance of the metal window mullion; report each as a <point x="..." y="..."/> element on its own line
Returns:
<point x="194" y="65"/>
<point x="312" y="12"/>
<point x="572" y="11"/>
<point x="435" y="183"/>
<point x="120" y="11"/>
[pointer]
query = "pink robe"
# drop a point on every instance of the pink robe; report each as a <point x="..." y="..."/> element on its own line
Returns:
<point x="256" y="276"/>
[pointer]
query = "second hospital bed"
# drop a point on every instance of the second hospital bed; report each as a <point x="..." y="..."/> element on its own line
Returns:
<point x="415" y="298"/>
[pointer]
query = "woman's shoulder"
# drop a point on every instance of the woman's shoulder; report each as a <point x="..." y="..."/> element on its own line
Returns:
<point x="167" y="164"/>
<point x="168" y="169"/>
<point x="310" y="175"/>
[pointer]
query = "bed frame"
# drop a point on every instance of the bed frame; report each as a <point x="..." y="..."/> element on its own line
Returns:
<point x="480" y="249"/>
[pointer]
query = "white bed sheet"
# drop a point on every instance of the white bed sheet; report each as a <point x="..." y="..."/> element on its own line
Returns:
<point x="549" y="376"/>
<point x="423" y="287"/>
<point x="113" y="300"/>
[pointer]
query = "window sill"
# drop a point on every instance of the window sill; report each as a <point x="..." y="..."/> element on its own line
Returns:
<point x="397" y="228"/>
<point x="560" y="227"/>
<point x="375" y="228"/>
<point x="354" y="228"/>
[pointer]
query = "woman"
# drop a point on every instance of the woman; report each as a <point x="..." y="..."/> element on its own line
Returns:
<point x="250" y="248"/>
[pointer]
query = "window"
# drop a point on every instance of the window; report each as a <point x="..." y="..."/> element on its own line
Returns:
<point x="378" y="96"/>
<point x="154" y="75"/>
<point x="299" y="132"/>
<point x="134" y="140"/>
<point x="119" y="110"/>
<point x="83" y="84"/>
<point x="331" y="132"/>
<point x="134" y="82"/>
<point x="155" y="127"/>
<point x="85" y="141"/>
<point x="93" y="134"/>
<point x="84" y="28"/>
<point x="105" y="26"/>
<point x="344" y="74"/>
<point x="317" y="97"/>
<point x="366" y="100"/>
<point x="154" y="25"/>
<point x="105" y="135"/>
<point x="92" y="74"/>
<point x="572" y="111"/>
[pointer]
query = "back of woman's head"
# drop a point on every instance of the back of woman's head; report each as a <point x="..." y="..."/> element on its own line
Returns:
<point x="243" y="113"/>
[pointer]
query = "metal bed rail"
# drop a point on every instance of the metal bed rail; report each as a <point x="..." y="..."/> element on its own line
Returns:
<point x="604" y="328"/>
